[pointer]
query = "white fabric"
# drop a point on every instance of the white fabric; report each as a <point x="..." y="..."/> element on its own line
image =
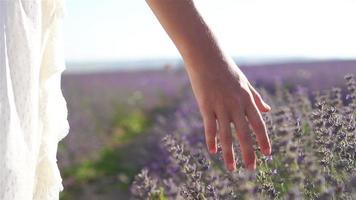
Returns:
<point x="33" y="113"/>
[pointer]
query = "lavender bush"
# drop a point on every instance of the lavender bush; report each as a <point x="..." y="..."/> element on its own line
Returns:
<point x="117" y="119"/>
<point x="96" y="99"/>
<point x="313" y="157"/>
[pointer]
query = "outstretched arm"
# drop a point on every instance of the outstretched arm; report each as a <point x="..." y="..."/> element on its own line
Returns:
<point x="223" y="92"/>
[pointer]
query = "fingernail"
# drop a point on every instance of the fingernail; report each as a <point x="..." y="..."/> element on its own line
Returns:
<point x="266" y="151"/>
<point x="231" y="167"/>
<point x="213" y="150"/>
<point x="267" y="106"/>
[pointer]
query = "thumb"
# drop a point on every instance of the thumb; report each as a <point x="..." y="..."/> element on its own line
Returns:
<point x="261" y="105"/>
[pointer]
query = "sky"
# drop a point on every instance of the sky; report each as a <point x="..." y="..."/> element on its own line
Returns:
<point x="109" y="30"/>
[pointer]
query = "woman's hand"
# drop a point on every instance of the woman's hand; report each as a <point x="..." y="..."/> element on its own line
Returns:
<point x="223" y="93"/>
<point x="225" y="96"/>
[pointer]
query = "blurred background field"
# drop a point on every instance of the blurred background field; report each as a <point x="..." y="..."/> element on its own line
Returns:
<point x="126" y="87"/>
<point x="113" y="115"/>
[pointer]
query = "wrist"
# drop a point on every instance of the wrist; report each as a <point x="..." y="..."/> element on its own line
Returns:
<point x="207" y="62"/>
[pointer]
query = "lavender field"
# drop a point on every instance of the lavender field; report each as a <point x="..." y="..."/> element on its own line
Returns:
<point x="138" y="135"/>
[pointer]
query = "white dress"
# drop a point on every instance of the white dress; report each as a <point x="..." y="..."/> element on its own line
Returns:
<point x="33" y="113"/>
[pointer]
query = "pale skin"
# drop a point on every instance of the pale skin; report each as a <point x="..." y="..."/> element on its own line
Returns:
<point x="223" y="93"/>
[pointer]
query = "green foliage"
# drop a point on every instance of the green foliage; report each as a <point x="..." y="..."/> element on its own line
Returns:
<point x="159" y="195"/>
<point x="130" y="122"/>
<point x="85" y="171"/>
<point x="109" y="162"/>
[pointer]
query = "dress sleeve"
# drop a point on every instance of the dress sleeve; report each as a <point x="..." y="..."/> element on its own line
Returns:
<point x="53" y="108"/>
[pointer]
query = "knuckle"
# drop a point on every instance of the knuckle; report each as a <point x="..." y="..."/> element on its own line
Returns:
<point x="204" y="105"/>
<point x="247" y="96"/>
<point x="225" y="130"/>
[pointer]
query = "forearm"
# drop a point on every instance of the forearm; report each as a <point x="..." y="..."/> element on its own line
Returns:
<point x="189" y="32"/>
<point x="223" y="93"/>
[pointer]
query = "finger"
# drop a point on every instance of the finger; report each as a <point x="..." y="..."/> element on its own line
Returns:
<point x="226" y="142"/>
<point x="261" y="105"/>
<point x="245" y="141"/>
<point x="259" y="127"/>
<point x="210" y="131"/>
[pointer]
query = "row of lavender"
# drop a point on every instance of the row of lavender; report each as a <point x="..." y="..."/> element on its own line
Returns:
<point x="313" y="153"/>
<point x="95" y="99"/>
<point x="98" y="101"/>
